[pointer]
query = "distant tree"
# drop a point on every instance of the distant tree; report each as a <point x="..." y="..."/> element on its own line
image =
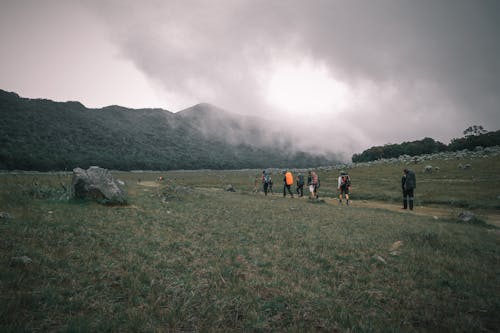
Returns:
<point x="474" y="130"/>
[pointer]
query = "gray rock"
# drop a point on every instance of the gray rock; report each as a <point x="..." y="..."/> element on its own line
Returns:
<point x="428" y="168"/>
<point x="99" y="185"/>
<point x="465" y="216"/>
<point x="4" y="215"/>
<point x="24" y="260"/>
<point x="230" y="188"/>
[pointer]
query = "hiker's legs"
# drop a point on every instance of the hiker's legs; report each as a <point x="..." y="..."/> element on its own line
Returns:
<point x="410" y="194"/>
<point x="265" y="188"/>
<point x="289" y="190"/>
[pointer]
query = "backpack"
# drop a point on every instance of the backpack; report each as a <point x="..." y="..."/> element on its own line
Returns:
<point x="267" y="179"/>
<point x="315" y="178"/>
<point x="289" y="178"/>
<point x="346" y="180"/>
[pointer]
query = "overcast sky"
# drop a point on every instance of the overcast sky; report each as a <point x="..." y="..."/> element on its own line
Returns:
<point x="344" y="75"/>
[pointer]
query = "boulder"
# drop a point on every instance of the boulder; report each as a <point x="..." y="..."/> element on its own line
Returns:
<point x="5" y="215"/>
<point x="99" y="185"/>
<point x="428" y="168"/>
<point x="230" y="188"/>
<point x="466" y="216"/>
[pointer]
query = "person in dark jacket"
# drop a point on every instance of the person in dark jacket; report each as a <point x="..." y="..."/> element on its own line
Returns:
<point x="300" y="184"/>
<point x="409" y="184"/>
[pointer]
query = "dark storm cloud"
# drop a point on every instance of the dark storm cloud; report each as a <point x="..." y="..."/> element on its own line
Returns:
<point x="413" y="68"/>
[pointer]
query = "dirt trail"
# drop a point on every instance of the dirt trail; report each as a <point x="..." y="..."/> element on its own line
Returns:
<point x="490" y="216"/>
<point x="150" y="183"/>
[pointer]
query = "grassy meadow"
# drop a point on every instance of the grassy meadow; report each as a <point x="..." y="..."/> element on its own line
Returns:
<point x="185" y="255"/>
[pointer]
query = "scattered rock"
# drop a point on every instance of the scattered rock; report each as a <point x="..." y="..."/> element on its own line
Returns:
<point x="466" y="216"/>
<point x="435" y="217"/>
<point x="379" y="258"/>
<point x="5" y="215"/>
<point x="428" y="168"/>
<point x="396" y="245"/>
<point x="24" y="260"/>
<point x="97" y="184"/>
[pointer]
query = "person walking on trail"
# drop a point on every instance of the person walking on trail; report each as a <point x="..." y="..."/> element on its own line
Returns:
<point x="266" y="181"/>
<point x="256" y="184"/>
<point x="300" y="184"/>
<point x="344" y="185"/>
<point x="313" y="183"/>
<point x="409" y="184"/>
<point x="403" y="181"/>
<point x="287" y="182"/>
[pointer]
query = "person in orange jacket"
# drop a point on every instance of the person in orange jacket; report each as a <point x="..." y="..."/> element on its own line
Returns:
<point x="287" y="182"/>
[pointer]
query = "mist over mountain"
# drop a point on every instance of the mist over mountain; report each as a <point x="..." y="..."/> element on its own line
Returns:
<point x="40" y="134"/>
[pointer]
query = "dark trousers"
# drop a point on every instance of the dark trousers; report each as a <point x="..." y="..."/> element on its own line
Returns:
<point x="408" y="198"/>
<point x="287" y="187"/>
<point x="300" y="189"/>
<point x="266" y="185"/>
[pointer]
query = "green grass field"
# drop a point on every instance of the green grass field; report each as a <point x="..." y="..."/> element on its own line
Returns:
<point x="185" y="255"/>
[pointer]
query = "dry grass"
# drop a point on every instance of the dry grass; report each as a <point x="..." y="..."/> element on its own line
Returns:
<point x="203" y="259"/>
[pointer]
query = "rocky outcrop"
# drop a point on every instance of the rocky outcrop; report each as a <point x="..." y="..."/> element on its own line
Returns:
<point x="99" y="185"/>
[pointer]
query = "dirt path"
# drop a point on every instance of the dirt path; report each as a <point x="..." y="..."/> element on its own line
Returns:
<point x="437" y="212"/>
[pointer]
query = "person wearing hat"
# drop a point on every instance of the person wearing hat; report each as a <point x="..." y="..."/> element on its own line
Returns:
<point x="409" y="184"/>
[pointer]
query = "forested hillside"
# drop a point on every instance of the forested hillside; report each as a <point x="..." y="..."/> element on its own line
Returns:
<point x="470" y="141"/>
<point x="43" y="135"/>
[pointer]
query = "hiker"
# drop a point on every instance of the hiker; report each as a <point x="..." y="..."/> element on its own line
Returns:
<point x="344" y="184"/>
<point x="287" y="182"/>
<point x="409" y="184"/>
<point x="313" y="183"/>
<point x="266" y="181"/>
<point x="270" y="187"/>
<point x="256" y="184"/>
<point x="300" y="184"/>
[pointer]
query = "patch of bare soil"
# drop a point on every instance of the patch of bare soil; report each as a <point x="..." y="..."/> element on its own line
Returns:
<point x="490" y="216"/>
<point x="150" y="183"/>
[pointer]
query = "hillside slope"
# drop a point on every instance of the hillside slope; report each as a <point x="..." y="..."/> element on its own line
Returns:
<point x="39" y="134"/>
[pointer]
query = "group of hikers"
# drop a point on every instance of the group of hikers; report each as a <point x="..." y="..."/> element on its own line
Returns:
<point x="408" y="184"/>
<point x="313" y="183"/>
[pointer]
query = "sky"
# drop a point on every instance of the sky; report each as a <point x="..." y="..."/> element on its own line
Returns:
<point x="340" y="76"/>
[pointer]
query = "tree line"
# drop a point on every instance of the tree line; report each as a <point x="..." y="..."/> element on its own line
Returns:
<point x="474" y="136"/>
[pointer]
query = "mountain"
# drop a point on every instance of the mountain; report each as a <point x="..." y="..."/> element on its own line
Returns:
<point x="40" y="134"/>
